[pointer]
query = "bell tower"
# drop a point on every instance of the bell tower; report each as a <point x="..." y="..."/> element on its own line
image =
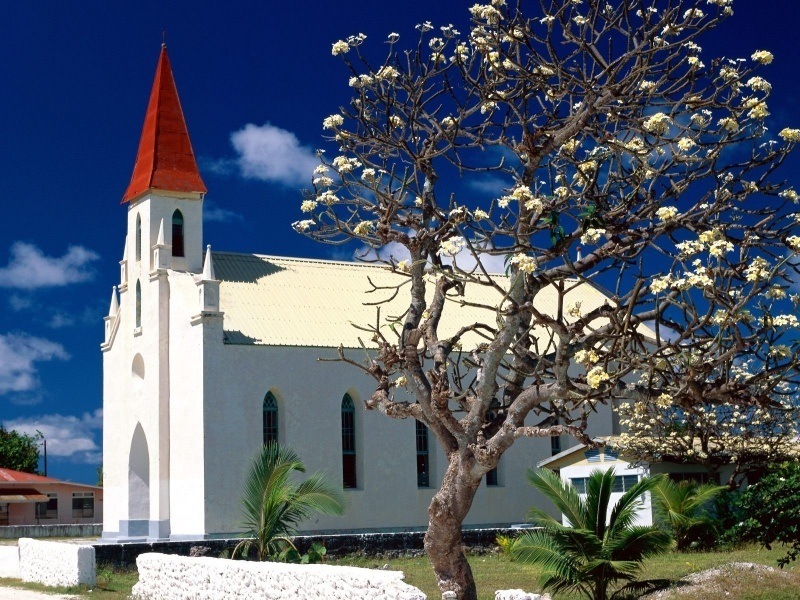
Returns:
<point x="166" y="186"/>
<point x="163" y="244"/>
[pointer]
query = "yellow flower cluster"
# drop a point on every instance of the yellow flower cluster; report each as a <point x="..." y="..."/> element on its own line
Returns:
<point x="525" y="263"/>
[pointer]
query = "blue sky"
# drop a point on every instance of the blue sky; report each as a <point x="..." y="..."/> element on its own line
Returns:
<point x="255" y="81"/>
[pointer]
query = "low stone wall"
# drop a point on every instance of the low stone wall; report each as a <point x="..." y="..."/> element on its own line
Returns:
<point x="45" y="531"/>
<point x="169" y="577"/>
<point x="56" y="563"/>
<point x="9" y="561"/>
<point x="388" y="545"/>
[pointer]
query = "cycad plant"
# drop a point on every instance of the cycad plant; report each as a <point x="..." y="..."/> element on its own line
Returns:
<point x="595" y="550"/>
<point x="682" y="506"/>
<point x="274" y="504"/>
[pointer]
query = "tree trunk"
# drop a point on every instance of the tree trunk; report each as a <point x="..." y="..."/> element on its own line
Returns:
<point x="443" y="541"/>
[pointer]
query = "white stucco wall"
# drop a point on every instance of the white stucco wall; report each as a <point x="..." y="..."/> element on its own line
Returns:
<point x="309" y="394"/>
<point x="168" y="577"/>
<point x="56" y="563"/>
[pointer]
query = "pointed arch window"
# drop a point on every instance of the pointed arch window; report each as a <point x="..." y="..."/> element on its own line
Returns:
<point x="423" y="456"/>
<point x="270" y="419"/>
<point x="177" y="234"/>
<point x="138" y="304"/>
<point x="349" y="478"/>
<point x="138" y="238"/>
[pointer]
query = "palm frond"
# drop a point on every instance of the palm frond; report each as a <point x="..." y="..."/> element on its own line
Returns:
<point x="538" y="548"/>
<point x="599" y="486"/>
<point x="273" y="505"/>
<point x="637" y="543"/>
<point x="562" y="494"/>
<point x="624" y="512"/>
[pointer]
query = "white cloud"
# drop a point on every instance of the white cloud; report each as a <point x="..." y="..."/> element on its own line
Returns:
<point x="465" y="260"/>
<point x="19" y="303"/>
<point x="19" y="354"/>
<point x="212" y="213"/>
<point x="490" y="184"/>
<point x="30" y="269"/>
<point x="68" y="436"/>
<point x="273" y="154"/>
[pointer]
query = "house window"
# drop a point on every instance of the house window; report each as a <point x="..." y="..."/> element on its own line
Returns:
<point x="49" y="509"/>
<point x="349" y="478"/>
<point x="138" y="304"/>
<point x="592" y="455"/>
<point x="82" y="505"/>
<point x="423" y="456"/>
<point x="622" y="483"/>
<point x="3" y="514"/>
<point x="579" y="483"/>
<point x="270" y="415"/>
<point x="177" y="233"/>
<point x="138" y="238"/>
<point x="555" y="445"/>
<point x="492" y="479"/>
<point x="699" y="478"/>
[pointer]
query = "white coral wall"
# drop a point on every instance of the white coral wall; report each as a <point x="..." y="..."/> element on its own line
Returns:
<point x="169" y="577"/>
<point x="56" y="563"/>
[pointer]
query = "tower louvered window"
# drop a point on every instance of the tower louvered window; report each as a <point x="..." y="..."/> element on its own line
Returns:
<point x="177" y="234"/>
<point x="138" y="238"/>
<point x="138" y="304"/>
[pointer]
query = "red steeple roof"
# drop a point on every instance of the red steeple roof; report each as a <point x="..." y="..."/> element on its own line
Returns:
<point x="165" y="160"/>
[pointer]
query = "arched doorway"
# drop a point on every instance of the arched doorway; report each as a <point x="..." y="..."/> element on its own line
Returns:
<point x="139" y="477"/>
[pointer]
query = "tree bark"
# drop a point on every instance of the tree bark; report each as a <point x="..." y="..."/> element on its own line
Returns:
<point x="443" y="542"/>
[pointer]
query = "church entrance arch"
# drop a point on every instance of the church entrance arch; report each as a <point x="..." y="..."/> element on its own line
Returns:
<point x="139" y="477"/>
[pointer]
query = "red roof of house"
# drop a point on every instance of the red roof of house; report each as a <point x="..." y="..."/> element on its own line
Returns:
<point x="165" y="160"/>
<point x="11" y="476"/>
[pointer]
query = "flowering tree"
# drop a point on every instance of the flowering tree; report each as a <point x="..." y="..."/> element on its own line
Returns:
<point x="750" y="438"/>
<point x="604" y="128"/>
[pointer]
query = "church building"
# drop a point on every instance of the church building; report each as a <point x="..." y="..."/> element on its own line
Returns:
<point x="208" y="355"/>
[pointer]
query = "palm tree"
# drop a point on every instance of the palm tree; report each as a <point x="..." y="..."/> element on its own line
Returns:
<point x="682" y="505"/>
<point x="595" y="550"/>
<point x="273" y="504"/>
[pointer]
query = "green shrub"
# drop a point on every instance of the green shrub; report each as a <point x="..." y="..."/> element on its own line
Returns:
<point x="772" y="510"/>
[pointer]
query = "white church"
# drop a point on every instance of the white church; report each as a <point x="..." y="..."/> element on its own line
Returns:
<point x="207" y="355"/>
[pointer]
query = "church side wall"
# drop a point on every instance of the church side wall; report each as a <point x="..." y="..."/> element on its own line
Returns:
<point x="309" y="395"/>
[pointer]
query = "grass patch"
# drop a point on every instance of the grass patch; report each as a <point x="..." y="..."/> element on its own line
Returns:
<point x="495" y="572"/>
<point x="111" y="583"/>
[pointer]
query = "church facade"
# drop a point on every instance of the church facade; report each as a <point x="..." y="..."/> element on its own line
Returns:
<point x="207" y="355"/>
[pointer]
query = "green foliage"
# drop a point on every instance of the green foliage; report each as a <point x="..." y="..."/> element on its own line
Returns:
<point x="505" y="542"/>
<point x="684" y="508"/>
<point x="273" y="504"/>
<point x="772" y="509"/>
<point x="595" y="551"/>
<point x="19" y="451"/>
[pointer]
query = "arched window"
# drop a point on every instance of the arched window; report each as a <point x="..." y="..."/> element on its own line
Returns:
<point x="177" y="233"/>
<point x="138" y="238"/>
<point x="349" y="479"/>
<point x="270" y="415"/>
<point x="423" y="456"/>
<point x="138" y="304"/>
